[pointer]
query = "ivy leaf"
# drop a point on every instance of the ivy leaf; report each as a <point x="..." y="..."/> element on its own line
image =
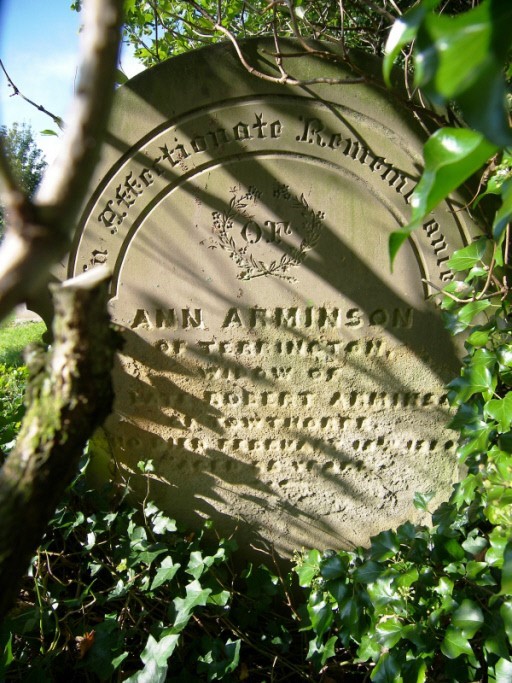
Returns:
<point x="155" y="656"/>
<point x="160" y="651"/>
<point x="309" y="568"/>
<point x="504" y="214"/>
<point x="369" y="649"/>
<point x="402" y="32"/>
<point x="468" y="618"/>
<point x="506" y="572"/>
<point x="384" y="545"/>
<point x="469" y="256"/>
<point x="503" y="670"/>
<point x="470" y="310"/>
<point x="386" y="669"/>
<point x="151" y="673"/>
<point x="506" y="615"/>
<point x="500" y="409"/>
<point x="389" y="632"/>
<point x="455" y="644"/>
<point x="165" y="573"/>
<point x="320" y="614"/>
<point x="461" y="58"/>
<point x="195" y="596"/>
<point x="368" y="572"/>
<point x="451" y="156"/>
<point x="332" y="567"/>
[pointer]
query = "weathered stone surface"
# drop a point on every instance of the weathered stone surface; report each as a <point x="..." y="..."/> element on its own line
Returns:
<point x="275" y="371"/>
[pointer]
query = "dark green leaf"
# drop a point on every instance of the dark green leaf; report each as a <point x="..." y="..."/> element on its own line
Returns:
<point x="468" y="618"/>
<point x="506" y="571"/>
<point x="500" y="409"/>
<point x="320" y="614"/>
<point x="387" y="669"/>
<point x="332" y="567"/>
<point x="369" y="572"/>
<point x="165" y="573"/>
<point x="455" y="644"/>
<point x="384" y="545"/>
<point x="506" y="615"/>
<point x="195" y="596"/>
<point x="504" y="214"/>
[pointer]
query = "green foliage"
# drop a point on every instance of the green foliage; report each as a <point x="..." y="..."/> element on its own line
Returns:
<point x="117" y="592"/>
<point x="13" y="378"/>
<point x="120" y="592"/>
<point x="26" y="159"/>
<point x="435" y="603"/>
<point x="14" y="337"/>
<point x="461" y="60"/>
<point x="159" y="29"/>
<point x="12" y="387"/>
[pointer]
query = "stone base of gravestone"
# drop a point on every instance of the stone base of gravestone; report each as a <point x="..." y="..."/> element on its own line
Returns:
<point x="275" y="371"/>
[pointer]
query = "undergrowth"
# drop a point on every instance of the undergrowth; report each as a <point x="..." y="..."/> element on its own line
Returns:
<point x="117" y="592"/>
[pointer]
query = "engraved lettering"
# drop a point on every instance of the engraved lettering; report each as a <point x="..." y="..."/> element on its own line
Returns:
<point x="146" y="176"/>
<point x="286" y="317"/>
<point x="232" y="318"/>
<point x="141" y="319"/>
<point x="275" y="230"/>
<point x="109" y="216"/>
<point x="311" y="132"/>
<point x="165" y="318"/>
<point x="189" y="320"/>
<point x="251" y="232"/>
<point x="275" y="129"/>
<point x="241" y="131"/>
<point x="260" y="125"/>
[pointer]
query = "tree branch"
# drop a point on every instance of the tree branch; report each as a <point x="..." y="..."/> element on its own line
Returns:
<point x="16" y="91"/>
<point x="68" y="396"/>
<point x="38" y="233"/>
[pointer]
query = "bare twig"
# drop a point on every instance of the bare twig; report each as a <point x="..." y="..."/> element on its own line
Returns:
<point x="16" y="91"/>
<point x="284" y="78"/>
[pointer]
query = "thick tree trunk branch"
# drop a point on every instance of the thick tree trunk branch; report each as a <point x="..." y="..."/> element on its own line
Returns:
<point x="66" y="399"/>
<point x="38" y="234"/>
<point x="72" y="394"/>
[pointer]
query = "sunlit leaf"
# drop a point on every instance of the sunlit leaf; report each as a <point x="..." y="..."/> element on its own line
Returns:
<point x="461" y="58"/>
<point x="451" y="156"/>
<point x="404" y="31"/>
<point x="500" y="409"/>
<point x="466" y="258"/>
<point x="455" y="644"/>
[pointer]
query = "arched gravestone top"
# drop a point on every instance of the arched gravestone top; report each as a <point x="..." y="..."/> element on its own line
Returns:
<point x="278" y="375"/>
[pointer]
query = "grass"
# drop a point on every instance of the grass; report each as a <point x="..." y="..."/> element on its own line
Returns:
<point x="14" y="337"/>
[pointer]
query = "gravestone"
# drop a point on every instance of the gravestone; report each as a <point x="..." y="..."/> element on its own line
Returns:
<point x="279" y="376"/>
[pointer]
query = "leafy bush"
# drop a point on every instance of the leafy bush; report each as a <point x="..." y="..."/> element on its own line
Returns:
<point x="119" y="592"/>
<point x="12" y="387"/>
